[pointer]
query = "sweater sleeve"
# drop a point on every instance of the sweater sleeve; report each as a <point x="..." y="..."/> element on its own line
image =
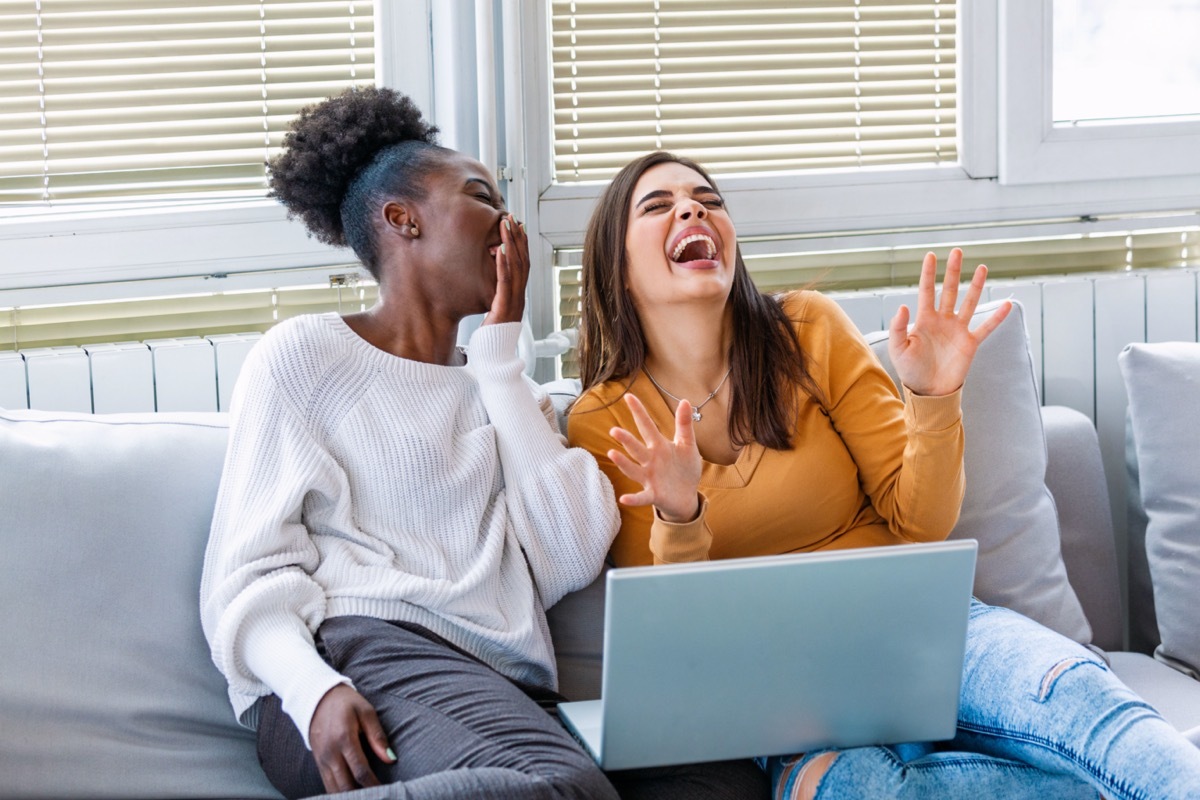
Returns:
<point x="259" y="602"/>
<point x="909" y="454"/>
<point x="560" y="504"/>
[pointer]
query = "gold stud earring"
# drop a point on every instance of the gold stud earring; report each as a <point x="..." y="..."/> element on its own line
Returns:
<point x="414" y="230"/>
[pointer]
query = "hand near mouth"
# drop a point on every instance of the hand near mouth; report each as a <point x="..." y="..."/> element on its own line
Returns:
<point x="512" y="273"/>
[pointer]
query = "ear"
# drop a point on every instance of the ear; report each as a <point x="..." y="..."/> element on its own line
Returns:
<point x="398" y="218"/>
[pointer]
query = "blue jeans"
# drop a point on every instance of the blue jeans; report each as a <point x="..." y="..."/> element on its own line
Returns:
<point x="1039" y="717"/>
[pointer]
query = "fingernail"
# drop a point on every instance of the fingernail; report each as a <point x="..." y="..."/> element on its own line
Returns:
<point x="391" y="754"/>
<point x="508" y="223"/>
<point x="503" y="248"/>
<point x="522" y="224"/>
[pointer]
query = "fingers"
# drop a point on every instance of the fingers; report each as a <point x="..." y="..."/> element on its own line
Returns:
<point x="646" y="427"/>
<point x="685" y="435"/>
<point x="339" y="722"/>
<point x="898" y="329"/>
<point x="950" y="282"/>
<point x="991" y="323"/>
<point x="927" y="286"/>
<point x="512" y="273"/>
<point x="974" y="292"/>
<point x="376" y="736"/>
<point x="357" y="764"/>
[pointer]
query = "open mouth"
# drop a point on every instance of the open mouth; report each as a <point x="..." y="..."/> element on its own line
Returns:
<point x="694" y="244"/>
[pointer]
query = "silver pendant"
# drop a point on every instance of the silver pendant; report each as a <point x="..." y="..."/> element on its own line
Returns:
<point x="695" y="416"/>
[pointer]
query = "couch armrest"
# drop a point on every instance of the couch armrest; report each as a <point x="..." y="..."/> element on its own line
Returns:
<point x="1075" y="477"/>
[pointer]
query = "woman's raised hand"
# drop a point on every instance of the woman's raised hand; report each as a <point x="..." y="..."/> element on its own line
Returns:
<point x="934" y="356"/>
<point x="667" y="469"/>
<point x="512" y="273"/>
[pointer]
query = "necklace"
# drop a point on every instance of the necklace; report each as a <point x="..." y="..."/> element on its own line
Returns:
<point x="696" y="415"/>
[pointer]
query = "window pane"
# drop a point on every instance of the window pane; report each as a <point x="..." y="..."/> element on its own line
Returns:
<point x="1126" y="60"/>
<point x="753" y="87"/>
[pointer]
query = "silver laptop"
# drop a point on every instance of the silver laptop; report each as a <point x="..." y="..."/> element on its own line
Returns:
<point x="769" y="656"/>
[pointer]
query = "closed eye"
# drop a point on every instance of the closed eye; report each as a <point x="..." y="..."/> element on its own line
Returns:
<point x="646" y="209"/>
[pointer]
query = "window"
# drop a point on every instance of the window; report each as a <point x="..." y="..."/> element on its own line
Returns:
<point x="629" y="77"/>
<point x="1108" y="89"/>
<point x="752" y="87"/>
<point x="112" y="98"/>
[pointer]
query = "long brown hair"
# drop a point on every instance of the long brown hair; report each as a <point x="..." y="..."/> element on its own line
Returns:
<point x="768" y="366"/>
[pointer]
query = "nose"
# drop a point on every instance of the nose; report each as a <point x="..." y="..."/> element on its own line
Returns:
<point x="692" y="208"/>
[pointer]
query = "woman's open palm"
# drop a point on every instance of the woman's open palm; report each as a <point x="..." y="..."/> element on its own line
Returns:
<point x="933" y="357"/>
<point x="668" y="469"/>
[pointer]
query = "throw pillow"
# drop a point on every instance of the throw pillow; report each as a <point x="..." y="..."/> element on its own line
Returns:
<point x="1163" y="384"/>
<point x="1007" y="507"/>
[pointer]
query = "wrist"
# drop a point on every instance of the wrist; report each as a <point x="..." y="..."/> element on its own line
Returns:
<point x="680" y="515"/>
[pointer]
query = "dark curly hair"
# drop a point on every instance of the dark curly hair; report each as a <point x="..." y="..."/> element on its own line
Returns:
<point x="345" y="157"/>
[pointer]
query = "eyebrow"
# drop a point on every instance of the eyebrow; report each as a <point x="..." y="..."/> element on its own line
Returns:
<point x="701" y="189"/>
<point x="485" y="184"/>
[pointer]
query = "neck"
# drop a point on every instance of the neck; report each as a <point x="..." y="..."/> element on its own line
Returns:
<point x="687" y="348"/>
<point x="399" y="328"/>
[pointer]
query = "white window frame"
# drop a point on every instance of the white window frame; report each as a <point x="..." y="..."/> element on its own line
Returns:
<point x="68" y="248"/>
<point x="1034" y="150"/>
<point x="831" y="202"/>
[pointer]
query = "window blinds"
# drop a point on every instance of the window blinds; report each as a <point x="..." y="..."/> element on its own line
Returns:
<point x="180" y="315"/>
<point x="752" y="86"/>
<point x="119" y="98"/>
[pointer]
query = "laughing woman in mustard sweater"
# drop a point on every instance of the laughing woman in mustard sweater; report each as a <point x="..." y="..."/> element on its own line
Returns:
<point x="732" y="423"/>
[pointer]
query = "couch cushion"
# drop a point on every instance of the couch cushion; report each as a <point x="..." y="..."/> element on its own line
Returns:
<point x="107" y="688"/>
<point x="1007" y="507"/>
<point x="1163" y="384"/>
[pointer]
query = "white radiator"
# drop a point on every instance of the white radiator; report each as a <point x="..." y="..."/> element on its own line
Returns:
<point x="185" y="374"/>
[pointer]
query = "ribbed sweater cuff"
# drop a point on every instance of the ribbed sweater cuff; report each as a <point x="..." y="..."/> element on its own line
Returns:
<point x="291" y="668"/>
<point x="681" y="542"/>
<point x="928" y="413"/>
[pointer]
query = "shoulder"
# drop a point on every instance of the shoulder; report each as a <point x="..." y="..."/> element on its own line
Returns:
<point x="597" y="408"/>
<point x="296" y="356"/>
<point x="817" y="318"/>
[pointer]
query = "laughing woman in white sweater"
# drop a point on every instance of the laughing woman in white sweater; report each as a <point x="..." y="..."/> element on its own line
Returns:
<point x="396" y="514"/>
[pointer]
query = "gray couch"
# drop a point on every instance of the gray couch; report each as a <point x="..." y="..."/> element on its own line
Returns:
<point x="106" y="687"/>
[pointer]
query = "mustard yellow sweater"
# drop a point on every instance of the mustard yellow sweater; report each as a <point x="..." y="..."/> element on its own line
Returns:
<point x="865" y="469"/>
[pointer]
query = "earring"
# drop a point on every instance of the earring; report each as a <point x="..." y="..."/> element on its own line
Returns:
<point x="414" y="230"/>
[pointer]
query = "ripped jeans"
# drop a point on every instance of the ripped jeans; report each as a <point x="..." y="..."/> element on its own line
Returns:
<point x="1040" y="717"/>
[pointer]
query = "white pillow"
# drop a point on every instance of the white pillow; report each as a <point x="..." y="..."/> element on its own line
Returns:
<point x="1163" y="384"/>
<point x="107" y="688"/>
<point x="1007" y="507"/>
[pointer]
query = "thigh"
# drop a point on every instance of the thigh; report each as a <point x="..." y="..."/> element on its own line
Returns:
<point x="443" y="709"/>
<point x="718" y="780"/>
<point x="1013" y="677"/>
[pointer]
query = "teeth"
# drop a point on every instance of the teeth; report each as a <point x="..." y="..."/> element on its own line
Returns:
<point x="696" y="237"/>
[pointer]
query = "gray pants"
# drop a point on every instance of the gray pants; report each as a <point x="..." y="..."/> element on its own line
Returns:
<point x="462" y="730"/>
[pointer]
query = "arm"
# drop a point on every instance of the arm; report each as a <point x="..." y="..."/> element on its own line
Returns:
<point x="259" y="601"/>
<point x="560" y="503"/>
<point x="916" y="483"/>
<point x="908" y="454"/>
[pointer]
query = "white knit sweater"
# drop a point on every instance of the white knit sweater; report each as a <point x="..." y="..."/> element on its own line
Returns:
<point x="359" y="483"/>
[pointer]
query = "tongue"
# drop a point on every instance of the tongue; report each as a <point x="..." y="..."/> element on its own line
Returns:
<point x="693" y="252"/>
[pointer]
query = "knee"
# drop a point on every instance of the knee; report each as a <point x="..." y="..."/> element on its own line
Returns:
<point x="804" y="782"/>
